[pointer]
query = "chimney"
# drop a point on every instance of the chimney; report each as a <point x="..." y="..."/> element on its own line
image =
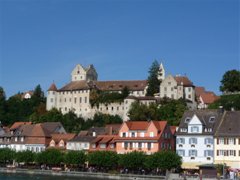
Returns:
<point x="110" y="130"/>
<point x="221" y="109"/>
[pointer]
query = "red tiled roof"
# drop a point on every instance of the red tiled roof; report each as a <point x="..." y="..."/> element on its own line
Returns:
<point x="38" y="140"/>
<point x="106" y="139"/>
<point x="209" y="97"/>
<point x="38" y="131"/>
<point x="97" y="139"/>
<point x="199" y="90"/>
<point x="53" y="87"/>
<point x="137" y="125"/>
<point x="65" y="137"/>
<point x="18" y="124"/>
<point x="183" y="80"/>
<point x="75" y="85"/>
<point x="160" y="125"/>
<point x="173" y="129"/>
<point x="119" y="85"/>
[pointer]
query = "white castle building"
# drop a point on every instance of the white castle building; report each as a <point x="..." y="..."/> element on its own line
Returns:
<point x="75" y="96"/>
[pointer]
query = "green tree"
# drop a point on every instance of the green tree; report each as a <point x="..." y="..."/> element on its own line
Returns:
<point x="227" y="102"/>
<point x="230" y="81"/>
<point x="153" y="81"/>
<point x="133" y="160"/>
<point x="50" y="157"/>
<point x="75" y="158"/>
<point x="6" y="155"/>
<point x="103" y="159"/>
<point x="138" y="112"/>
<point x="38" y="96"/>
<point x="165" y="160"/>
<point x="25" y="156"/>
<point x="125" y="92"/>
<point x="172" y="111"/>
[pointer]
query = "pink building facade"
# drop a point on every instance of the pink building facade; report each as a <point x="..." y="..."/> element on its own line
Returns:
<point x="148" y="137"/>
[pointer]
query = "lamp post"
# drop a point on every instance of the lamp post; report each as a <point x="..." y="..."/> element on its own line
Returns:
<point x="223" y="170"/>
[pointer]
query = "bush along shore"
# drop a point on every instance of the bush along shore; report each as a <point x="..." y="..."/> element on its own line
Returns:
<point x="75" y="162"/>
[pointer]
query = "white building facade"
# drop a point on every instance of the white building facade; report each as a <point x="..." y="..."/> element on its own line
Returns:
<point x="195" y="137"/>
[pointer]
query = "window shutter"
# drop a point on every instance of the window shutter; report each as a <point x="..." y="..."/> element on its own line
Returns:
<point x="183" y="141"/>
<point x="183" y="153"/>
<point x="190" y="140"/>
<point x="234" y="153"/>
<point x="205" y="141"/>
<point x="205" y="153"/>
<point x="217" y="140"/>
<point x="177" y="141"/>
<point x="217" y="152"/>
<point x="195" y="140"/>
<point x="122" y="144"/>
<point x="234" y="140"/>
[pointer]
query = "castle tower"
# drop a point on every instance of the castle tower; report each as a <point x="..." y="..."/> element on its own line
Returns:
<point x="52" y="97"/>
<point x="80" y="73"/>
<point x="161" y="73"/>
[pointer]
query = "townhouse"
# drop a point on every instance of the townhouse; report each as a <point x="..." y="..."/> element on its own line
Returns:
<point x="227" y="140"/>
<point x="27" y="136"/>
<point x="149" y="137"/>
<point x="195" y="137"/>
<point x="59" y="140"/>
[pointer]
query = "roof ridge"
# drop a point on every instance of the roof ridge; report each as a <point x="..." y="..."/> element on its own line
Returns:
<point x="219" y="125"/>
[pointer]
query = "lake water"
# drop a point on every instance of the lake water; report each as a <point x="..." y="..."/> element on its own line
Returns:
<point x="6" y="176"/>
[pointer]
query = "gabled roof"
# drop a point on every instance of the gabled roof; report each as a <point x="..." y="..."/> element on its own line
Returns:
<point x="208" y="97"/>
<point x="137" y="125"/>
<point x="209" y="118"/>
<point x="173" y="129"/>
<point x="82" y="139"/>
<point x="52" y="126"/>
<point x="160" y="125"/>
<point x="199" y="90"/>
<point x="18" y="124"/>
<point x="53" y="87"/>
<point x="112" y="128"/>
<point x="39" y="131"/>
<point x="60" y="136"/>
<point x="183" y="80"/>
<point x="229" y="125"/>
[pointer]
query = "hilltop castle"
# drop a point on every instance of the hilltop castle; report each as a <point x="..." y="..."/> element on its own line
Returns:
<point x="75" y="96"/>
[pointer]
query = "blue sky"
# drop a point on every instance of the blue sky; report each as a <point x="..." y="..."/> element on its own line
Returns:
<point x="42" y="40"/>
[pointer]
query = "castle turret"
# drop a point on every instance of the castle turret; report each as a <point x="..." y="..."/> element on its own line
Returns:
<point x="161" y="73"/>
<point x="52" y="97"/>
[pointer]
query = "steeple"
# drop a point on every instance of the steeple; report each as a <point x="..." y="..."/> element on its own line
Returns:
<point x="52" y="87"/>
<point x="161" y="73"/>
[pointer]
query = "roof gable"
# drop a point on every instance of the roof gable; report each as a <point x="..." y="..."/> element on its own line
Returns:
<point x="137" y="125"/>
<point x="195" y="121"/>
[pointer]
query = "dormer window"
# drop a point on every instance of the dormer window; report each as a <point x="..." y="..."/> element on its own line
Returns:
<point x="212" y="119"/>
<point x="183" y="129"/>
<point x="187" y="120"/>
<point x="194" y="129"/>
